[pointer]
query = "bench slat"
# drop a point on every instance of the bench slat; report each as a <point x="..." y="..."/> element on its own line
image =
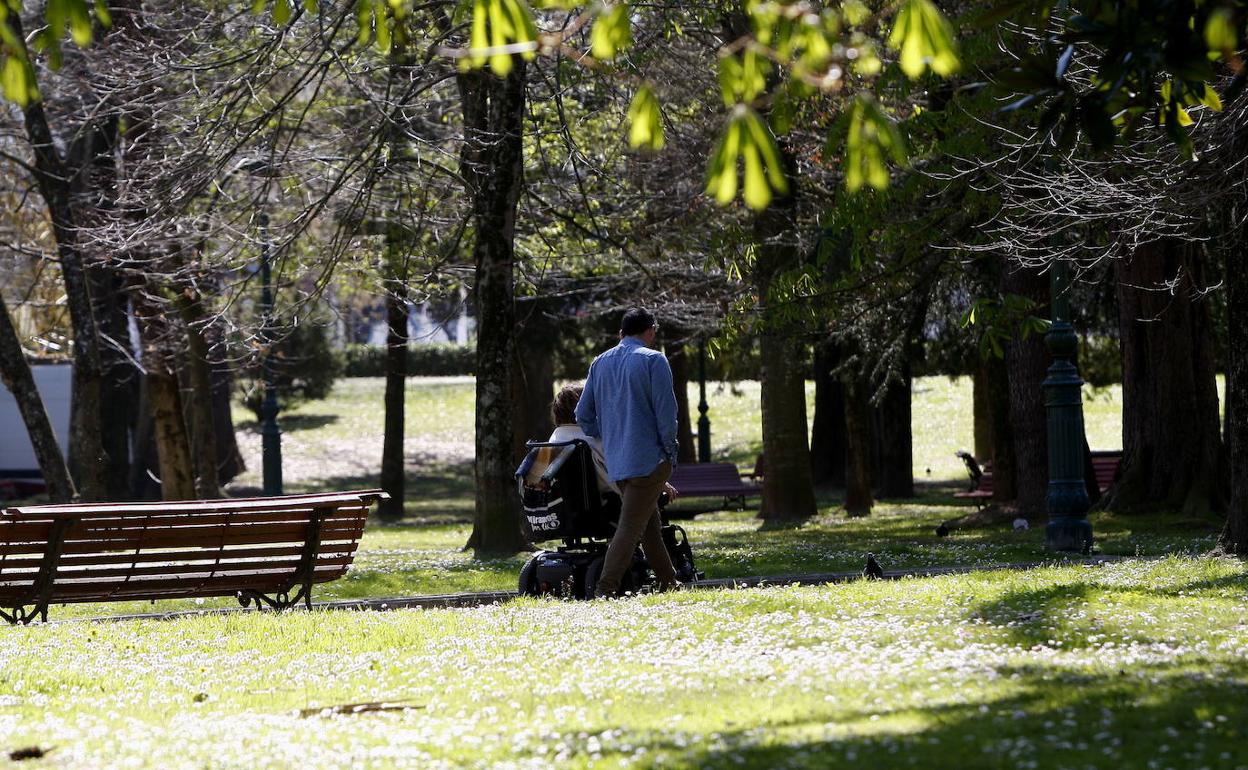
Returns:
<point x="195" y="507"/>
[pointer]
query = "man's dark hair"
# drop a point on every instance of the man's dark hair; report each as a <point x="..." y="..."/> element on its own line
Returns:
<point x="636" y="321"/>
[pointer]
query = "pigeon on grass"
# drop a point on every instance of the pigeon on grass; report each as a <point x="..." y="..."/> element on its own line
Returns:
<point x="873" y="570"/>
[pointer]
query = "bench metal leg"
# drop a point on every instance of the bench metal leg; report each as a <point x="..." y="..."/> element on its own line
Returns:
<point x="283" y="600"/>
<point x="25" y="614"/>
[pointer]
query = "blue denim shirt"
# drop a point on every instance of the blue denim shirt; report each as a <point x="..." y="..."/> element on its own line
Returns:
<point x="629" y="403"/>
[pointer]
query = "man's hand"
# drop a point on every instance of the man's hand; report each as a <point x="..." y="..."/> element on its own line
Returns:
<point x="672" y="492"/>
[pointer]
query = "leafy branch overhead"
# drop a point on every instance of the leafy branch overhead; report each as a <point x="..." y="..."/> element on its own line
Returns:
<point x="1156" y="68"/>
<point x="795" y="51"/>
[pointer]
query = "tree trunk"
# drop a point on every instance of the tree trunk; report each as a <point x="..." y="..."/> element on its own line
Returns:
<point x="1171" y="437"/>
<point x="161" y="339"/>
<point x="229" y="459"/>
<point x="1235" y="536"/>
<point x="173" y="447"/>
<point x="533" y="387"/>
<point x="982" y="410"/>
<point x="678" y="358"/>
<point x="491" y="163"/>
<point x="997" y="396"/>
<point x="392" y="455"/>
<point x="893" y="440"/>
<point x="1028" y="360"/>
<point x="858" y="474"/>
<point x="16" y="375"/>
<point x="827" y="435"/>
<point x="199" y="373"/>
<point x="788" y="488"/>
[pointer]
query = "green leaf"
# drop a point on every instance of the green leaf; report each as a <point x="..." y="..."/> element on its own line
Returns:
<point x="855" y="12"/>
<point x="17" y="80"/>
<point x="258" y="6"/>
<point x="1220" y="32"/>
<point x="80" y="23"/>
<point x="612" y="32"/>
<point x="645" y="121"/>
<point x="870" y="135"/>
<point x="282" y="12"/>
<point x="925" y="39"/>
<point x="382" y="23"/>
<point x="722" y="179"/>
<point x="1211" y="99"/>
<point x="757" y="193"/>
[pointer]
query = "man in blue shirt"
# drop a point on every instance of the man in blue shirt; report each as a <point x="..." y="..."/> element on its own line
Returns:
<point x="629" y="403"/>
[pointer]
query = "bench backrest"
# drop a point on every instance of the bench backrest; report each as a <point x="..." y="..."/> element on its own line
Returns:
<point x="713" y="477"/>
<point x="177" y="549"/>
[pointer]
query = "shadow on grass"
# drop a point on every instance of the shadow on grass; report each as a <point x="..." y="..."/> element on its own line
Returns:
<point x="1153" y="717"/>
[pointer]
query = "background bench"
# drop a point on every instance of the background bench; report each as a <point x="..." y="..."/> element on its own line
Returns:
<point x="1104" y="463"/>
<point x="713" y="480"/>
<point x="258" y="549"/>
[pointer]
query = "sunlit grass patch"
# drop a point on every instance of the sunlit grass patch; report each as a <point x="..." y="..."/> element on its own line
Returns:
<point x="1104" y="667"/>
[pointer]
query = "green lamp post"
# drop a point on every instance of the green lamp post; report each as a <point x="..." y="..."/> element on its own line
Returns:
<point x="1067" y="500"/>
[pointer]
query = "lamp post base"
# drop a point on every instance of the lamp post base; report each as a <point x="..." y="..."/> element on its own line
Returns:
<point x="1072" y="534"/>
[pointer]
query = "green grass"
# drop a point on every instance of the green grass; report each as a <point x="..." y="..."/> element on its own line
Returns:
<point x="335" y="444"/>
<point x="1131" y="665"/>
<point x="1137" y="664"/>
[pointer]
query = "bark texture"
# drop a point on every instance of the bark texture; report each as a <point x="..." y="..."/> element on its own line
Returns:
<point x="392" y="455"/>
<point x="1171" y="436"/>
<point x="678" y="358"/>
<point x="997" y="394"/>
<point x="858" y="471"/>
<point x="52" y="176"/>
<point x="1028" y="363"/>
<point x="1235" y="536"/>
<point x="827" y="434"/>
<point x="982" y="411"/>
<point x="788" y="489"/>
<point x="491" y="163"/>
<point x="199" y="375"/>
<point x="893" y="440"/>
<point x="16" y="375"/>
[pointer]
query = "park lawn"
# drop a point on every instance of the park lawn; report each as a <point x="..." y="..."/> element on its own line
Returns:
<point x="335" y="444"/>
<point x="1136" y="664"/>
<point x="420" y="559"/>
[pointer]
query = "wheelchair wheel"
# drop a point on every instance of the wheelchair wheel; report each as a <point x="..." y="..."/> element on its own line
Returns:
<point x="528" y="578"/>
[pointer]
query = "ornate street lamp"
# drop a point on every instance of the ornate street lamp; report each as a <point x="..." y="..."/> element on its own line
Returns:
<point x="1067" y="500"/>
<point x="704" y="422"/>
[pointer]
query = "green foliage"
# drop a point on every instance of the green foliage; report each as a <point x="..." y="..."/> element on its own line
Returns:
<point x="925" y="39"/>
<point x="1001" y="319"/>
<point x="305" y="367"/>
<point x="645" y="121"/>
<point x="435" y="360"/>
<point x="612" y="33"/>
<point x="497" y="24"/>
<point x="17" y="73"/>
<point x="1153" y="59"/>
<point x="1100" y="361"/>
<point x="870" y="136"/>
<point x="747" y="139"/>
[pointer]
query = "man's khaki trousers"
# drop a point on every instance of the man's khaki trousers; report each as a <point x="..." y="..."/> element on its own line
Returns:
<point x="639" y="523"/>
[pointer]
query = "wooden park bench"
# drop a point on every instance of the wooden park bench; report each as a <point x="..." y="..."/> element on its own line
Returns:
<point x="1104" y="463"/>
<point x="713" y="480"/>
<point x="269" y="550"/>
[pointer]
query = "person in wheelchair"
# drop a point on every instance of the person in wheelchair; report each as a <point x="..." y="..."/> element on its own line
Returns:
<point x="563" y="414"/>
